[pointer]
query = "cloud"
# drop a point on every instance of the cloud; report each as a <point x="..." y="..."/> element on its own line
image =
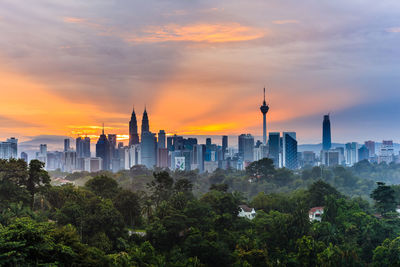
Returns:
<point x="74" y="20"/>
<point x="393" y="30"/>
<point x="287" y="21"/>
<point x="202" y="32"/>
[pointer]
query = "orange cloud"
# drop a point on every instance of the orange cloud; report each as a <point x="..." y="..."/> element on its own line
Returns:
<point x="26" y="100"/>
<point x="208" y="33"/>
<point x="74" y="20"/>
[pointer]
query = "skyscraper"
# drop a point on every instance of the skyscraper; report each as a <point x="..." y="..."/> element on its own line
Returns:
<point x="351" y="153"/>
<point x="274" y="147"/>
<point x="83" y="147"/>
<point x="149" y="149"/>
<point x="246" y="147"/>
<point x="9" y="149"/>
<point x="161" y="139"/>
<point x="198" y="157"/>
<point x="326" y="133"/>
<point x="371" y="147"/>
<point x="133" y="130"/>
<point x="224" y="146"/>
<point x="145" y="123"/>
<point x="264" y="109"/>
<point x="289" y="150"/>
<point x="66" y="144"/>
<point x="103" y="150"/>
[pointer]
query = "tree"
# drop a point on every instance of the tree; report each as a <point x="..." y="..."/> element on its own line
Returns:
<point x="161" y="187"/>
<point x="13" y="176"/>
<point x="127" y="203"/>
<point x="384" y="198"/>
<point x="38" y="180"/>
<point x="219" y="187"/>
<point x="318" y="191"/>
<point x="261" y="169"/>
<point x="103" y="186"/>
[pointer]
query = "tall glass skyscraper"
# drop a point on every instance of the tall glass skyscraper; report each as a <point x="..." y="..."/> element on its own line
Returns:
<point x="274" y="147"/>
<point x="326" y="133"/>
<point x="289" y="150"/>
<point x="149" y="149"/>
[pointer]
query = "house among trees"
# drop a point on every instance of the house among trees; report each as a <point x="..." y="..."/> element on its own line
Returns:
<point x="247" y="212"/>
<point x="315" y="214"/>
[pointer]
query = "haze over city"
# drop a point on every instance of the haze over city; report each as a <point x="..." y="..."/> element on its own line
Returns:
<point x="199" y="67"/>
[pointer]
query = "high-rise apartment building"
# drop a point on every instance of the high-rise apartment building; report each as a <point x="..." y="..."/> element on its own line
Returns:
<point x="386" y="152"/>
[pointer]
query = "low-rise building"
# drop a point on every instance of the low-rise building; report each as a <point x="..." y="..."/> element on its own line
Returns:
<point x="247" y="212"/>
<point x="315" y="214"/>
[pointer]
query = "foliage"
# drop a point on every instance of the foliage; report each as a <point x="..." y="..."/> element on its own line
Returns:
<point x="191" y="219"/>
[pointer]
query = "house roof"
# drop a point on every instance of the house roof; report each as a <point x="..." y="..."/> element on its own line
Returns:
<point x="245" y="208"/>
<point x="315" y="209"/>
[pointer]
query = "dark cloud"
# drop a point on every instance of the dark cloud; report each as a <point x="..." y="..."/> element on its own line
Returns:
<point x="82" y="51"/>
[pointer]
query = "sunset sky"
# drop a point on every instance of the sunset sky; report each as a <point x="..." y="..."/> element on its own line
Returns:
<point x="200" y="67"/>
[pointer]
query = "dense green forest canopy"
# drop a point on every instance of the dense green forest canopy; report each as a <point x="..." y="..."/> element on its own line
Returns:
<point x="161" y="218"/>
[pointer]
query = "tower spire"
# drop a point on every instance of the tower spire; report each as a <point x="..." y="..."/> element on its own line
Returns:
<point x="264" y="94"/>
<point x="103" y="128"/>
<point x="264" y="110"/>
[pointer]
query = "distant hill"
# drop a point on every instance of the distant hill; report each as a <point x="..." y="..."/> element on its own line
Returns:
<point x="316" y="148"/>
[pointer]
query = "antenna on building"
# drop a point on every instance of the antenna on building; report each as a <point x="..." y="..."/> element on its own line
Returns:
<point x="103" y="128"/>
<point x="264" y="93"/>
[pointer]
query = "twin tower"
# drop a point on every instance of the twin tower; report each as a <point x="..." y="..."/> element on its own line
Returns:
<point x="133" y="128"/>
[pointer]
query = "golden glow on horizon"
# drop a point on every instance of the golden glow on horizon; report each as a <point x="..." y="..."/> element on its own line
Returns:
<point x="209" y="33"/>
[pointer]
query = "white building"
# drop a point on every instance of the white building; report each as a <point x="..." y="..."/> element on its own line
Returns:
<point x="247" y="212"/>
<point x="386" y="152"/>
<point x="315" y="214"/>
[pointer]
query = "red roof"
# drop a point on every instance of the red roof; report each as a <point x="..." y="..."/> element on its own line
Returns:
<point x="315" y="209"/>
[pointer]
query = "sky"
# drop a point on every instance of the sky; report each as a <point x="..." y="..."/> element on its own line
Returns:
<point x="200" y="67"/>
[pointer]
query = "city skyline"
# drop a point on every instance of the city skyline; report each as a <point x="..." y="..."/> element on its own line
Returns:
<point x="199" y="67"/>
